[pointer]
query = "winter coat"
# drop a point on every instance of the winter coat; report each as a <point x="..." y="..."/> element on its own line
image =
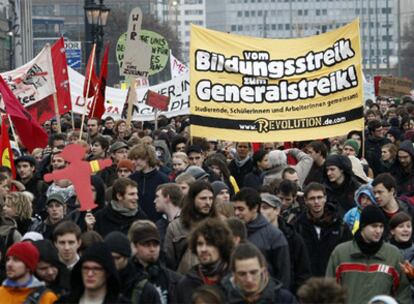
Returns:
<point x="404" y="179"/>
<point x="271" y="241"/>
<point x="239" y="172"/>
<point x="332" y="232"/>
<point x="147" y="185"/>
<point x="38" y="188"/>
<point x="18" y="295"/>
<point x="108" y="175"/>
<point x="373" y="152"/>
<point x="108" y="220"/>
<point x="163" y="279"/>
<point x="368" y="276"/>
<point x="408" y="255"/>
<point x="299" y="257"/>
<point x="8" y="235"/>
<point x="274" y="293"/>
<point x="130" y="277"/>
<point x="179" y="257"/>
<point x="45" y="228"/>
<point x="254" y="179"/>
<point x="341" y="195"/>
<point x="186" y="287"/>
<point x="315" y="174"/>
<point x="351" y="218"/>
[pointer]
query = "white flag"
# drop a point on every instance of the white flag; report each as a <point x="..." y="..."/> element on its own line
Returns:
<point x="177" y="68"/>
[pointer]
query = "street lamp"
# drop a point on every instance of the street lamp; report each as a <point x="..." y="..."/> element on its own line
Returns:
<point x="175" y="5"/>
<point x="97" y="18"/>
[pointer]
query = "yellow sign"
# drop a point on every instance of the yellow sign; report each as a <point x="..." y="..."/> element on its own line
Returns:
<point x="266" y="90"/>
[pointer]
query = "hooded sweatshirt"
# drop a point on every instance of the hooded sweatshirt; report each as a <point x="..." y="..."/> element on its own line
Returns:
<point x="351" y="218"/>
<point x="271" y="241"/>
<point x="404" y="178"/>
<point x="341" y="195"/>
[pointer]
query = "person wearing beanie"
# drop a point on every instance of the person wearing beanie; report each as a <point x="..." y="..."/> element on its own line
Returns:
<point x="340" y="182"/>
<point x="118" y="151"/>
<point x="130" y="277"/>
<point x="50" y="269"/>
<point x="403" y="168"/>
<point x="21" y="286"/>
<point x="221" y="192"/>
<point x="367" y="259"/>
<point x="145" y="239"/>
<point x="94" y="279"/>
<point x="351" y="147"/>
<point x="124" y="169"/>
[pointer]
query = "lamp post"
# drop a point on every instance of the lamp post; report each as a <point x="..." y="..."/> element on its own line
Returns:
<point x="96" y="18"/>
<point x="175" y="5"/>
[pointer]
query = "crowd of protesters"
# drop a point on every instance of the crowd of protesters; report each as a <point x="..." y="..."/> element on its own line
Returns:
<point x="182" y="219"/>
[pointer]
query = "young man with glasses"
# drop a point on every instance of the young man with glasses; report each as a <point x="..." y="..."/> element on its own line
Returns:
<point x="94" y="279"/>
<point x="320" y="227"/>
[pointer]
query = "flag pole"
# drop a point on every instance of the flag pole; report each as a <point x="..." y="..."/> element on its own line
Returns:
<point x="12" y="128"/>
<point x="55" y="102"/>
<point x="87" y="91"/>
<point x="131" y="99"/>
<point x="156" y="119"/>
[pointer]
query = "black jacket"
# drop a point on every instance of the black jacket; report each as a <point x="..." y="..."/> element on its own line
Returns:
<point x="373" y="152"/>
<point x="108" y="220"/>
<point x="299" y="257"/>
<point x="147" y="185"/>
<point x="271" y="241"/>
<point x="332" y="232"/>
<point x="189" y="284"/>
<point x="240" y="172"/>
<point x="404" y="178"/>
<point x="273" y="293"/>
<point x="130" y="278"/>
<point x="164" y="280"/>
<point x="253" y="179"/>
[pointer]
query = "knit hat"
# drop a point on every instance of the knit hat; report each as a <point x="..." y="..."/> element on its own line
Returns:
<point x="395" y="132"/>
<point x="277" y="158"/>
<point x="340" y="161"/>
<point x="117" y="145"/>
<point x="25" y="252"/>
<point x="371" y="214"/>
<point x="146" y="233"/>
<point x="119" y="243"/>
<point x="353" y="144"/>
<point x="126" y="163"/>
<point x="218" y="186"/>
<point x="48" y="253"/>
<point x="197" y="172"/>
<point x="271" y="200"/>
<point x="101" y="254"/>
<point x="56" y="197"/>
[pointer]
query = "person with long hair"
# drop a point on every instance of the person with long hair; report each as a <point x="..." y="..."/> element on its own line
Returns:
<point x="198" y="205"/>
<point x="18" y="206"/>
<point x="254" y="179"/>
<point x="221" y="171"/>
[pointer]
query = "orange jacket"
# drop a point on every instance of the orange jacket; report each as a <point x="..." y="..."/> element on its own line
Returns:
<point x="12" y="295"/>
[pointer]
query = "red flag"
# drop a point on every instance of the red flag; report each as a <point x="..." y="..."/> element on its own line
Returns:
<point x="44" y="109"/>
<point x="98" y="104"/>
<point x="157" y="101"/>
<point x="30" y="132"/>
<point x="6" y="152"/>
<point x="90" y="73"/>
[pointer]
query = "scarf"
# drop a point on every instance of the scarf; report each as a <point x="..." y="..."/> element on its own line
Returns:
<point x="241" y="162"/>
<point x="122" y="210"/>
<point x="367" y="248"/>
<point x="401" y="245"/>
<point x="253" y="297"/>
<point x="211" y="270"/>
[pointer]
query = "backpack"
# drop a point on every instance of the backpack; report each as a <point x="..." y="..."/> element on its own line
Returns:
<point x="137" y="291"/>
<point x="35" y="295"/>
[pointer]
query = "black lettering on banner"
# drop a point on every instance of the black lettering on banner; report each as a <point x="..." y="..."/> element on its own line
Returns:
<point x="257" y="68"/>
<point x="263" y="125"/>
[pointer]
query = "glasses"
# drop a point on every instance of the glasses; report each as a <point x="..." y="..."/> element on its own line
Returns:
<point x="94" y="270"/>
<point x="316" y="198"/>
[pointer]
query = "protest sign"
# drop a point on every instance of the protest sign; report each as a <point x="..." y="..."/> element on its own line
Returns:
<point x="159" y="50"/>
<point x="394" y="86"/>
<point x="177" y="90"/>
<point x="258" y="90"/>
<point x="177" y="68"/>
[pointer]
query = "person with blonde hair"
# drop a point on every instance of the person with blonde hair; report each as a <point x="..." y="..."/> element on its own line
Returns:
<point x="179" y="163"/>
<point x="18" y="206"/>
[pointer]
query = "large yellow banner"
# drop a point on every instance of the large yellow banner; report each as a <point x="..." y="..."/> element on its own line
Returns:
<point x="261" y="90"/>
